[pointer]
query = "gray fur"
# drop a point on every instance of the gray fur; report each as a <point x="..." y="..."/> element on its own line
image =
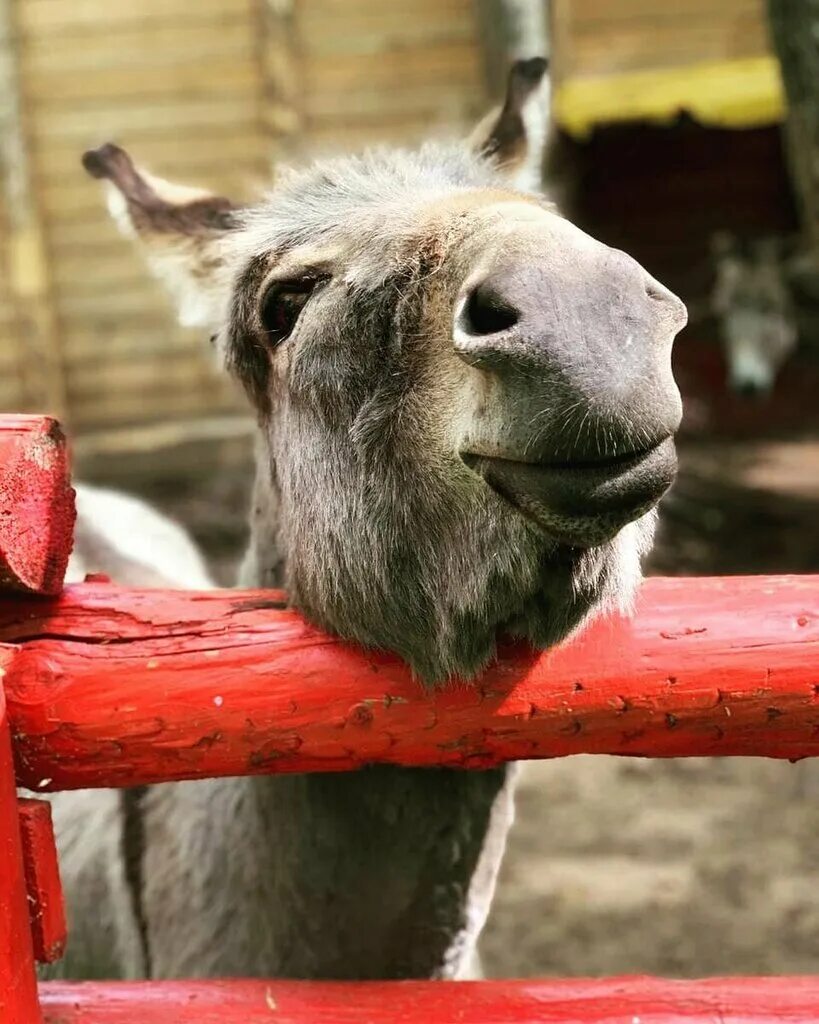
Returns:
<point x="366" y="510"/>
<point x="380" y="535"/>
<point x="123" y="537"/>
<point x="753" y="300"/>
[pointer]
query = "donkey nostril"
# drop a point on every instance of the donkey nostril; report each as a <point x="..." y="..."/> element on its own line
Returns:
<point x="486" y="312"/>
<point x="670" y="303"/>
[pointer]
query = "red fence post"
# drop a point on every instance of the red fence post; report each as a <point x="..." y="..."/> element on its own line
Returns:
<point x="36" y="504"/>
<point x="18" y="982"/>
<point x="46" y="909"/>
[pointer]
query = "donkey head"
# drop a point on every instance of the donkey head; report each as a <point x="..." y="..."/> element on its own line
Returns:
<point x="752" y="298"/>
<point x="465" y="403"/>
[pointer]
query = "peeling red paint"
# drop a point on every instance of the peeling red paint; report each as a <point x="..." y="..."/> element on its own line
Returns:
<point x="283" y="697"/>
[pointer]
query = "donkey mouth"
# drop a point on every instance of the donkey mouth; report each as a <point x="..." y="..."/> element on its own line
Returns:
<point x="581" y="503"/>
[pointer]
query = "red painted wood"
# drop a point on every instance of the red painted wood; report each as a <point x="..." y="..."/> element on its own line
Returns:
<point x="18" y="985"/>
<point x="115" y="687"/>
<point x="45" y="895"/>
<point x="570" y="1001"/>
<point x="36" y="504"/>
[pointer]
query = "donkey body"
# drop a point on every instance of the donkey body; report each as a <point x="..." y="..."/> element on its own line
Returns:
<point x="465" y="411"/>
<point x="131" y="542"/>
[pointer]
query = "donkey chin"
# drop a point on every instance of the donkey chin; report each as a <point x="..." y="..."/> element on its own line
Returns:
<point x="581" y="503"/>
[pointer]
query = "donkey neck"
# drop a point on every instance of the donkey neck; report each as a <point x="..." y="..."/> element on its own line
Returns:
<point x="382" y="873"/>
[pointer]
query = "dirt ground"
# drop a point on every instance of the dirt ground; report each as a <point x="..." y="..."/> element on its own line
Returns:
<point x="682" y="868"/>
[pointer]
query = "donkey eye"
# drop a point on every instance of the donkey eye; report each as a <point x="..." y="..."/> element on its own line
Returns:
<point x="282" y="305"/>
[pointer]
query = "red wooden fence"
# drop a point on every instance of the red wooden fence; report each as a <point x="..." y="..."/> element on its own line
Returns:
<point x="118" y="687"/>
<point x="105" y="686"/>
<point x="36" y="504"/>
<point x="18" y="990"/>
<point x="571" y="1001"/>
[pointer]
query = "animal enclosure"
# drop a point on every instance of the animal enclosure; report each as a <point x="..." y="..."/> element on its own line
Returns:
<point x="110" y="687"/>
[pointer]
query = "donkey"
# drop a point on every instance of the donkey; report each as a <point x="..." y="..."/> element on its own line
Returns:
<point x="752" y="297"/>
<point x="465" y="414"/>
<point x="131" y="542"/>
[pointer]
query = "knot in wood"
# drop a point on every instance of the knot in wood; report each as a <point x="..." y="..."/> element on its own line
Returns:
<point x="360" y="714"/>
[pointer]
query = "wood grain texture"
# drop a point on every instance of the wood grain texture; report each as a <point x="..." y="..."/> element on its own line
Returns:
<point x="18" y="983"/>
<point x="207" y="93"/>
<point x="124" y="687"/>
<point x="36" y="504"/>
<point x="638" y="61"/>
<point x="601" y="38"/>
<point x="24" y="262"/>
<point x="45" y="895"/>
<point x="40" y="17"/>
<point x="607" y="1001"/>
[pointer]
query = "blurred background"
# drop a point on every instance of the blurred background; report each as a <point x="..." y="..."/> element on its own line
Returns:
<point x="686" y="133"/>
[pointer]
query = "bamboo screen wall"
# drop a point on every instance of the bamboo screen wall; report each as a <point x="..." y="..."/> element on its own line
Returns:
<point x="210" y="92"/>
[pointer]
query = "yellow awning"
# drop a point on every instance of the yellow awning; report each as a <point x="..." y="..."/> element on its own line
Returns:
<point x="728" y="94"/>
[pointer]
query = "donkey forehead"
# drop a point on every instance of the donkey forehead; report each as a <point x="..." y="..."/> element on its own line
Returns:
<point x="370" y="241"/>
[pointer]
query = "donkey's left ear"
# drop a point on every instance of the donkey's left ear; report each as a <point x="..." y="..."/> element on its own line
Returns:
<point x="182" y="232"/>
<point x="513" y="135"/>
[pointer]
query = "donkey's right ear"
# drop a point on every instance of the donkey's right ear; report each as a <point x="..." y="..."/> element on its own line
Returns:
<point x="181" y="232"/>
<point x="513" y="136"/>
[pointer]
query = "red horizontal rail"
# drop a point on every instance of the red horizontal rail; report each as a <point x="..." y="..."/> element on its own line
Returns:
<point x="118" y="687"/>
<point x="570" y="1001"/>
<point x="36" y="504"/>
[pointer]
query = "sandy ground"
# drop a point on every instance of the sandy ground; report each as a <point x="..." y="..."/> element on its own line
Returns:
<point x="684" y="868"/>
